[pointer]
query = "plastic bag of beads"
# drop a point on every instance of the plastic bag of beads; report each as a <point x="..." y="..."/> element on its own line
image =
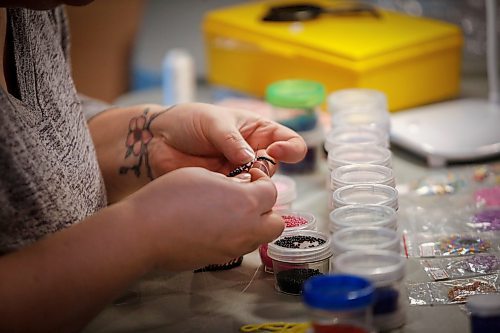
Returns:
<point x="461" y="267"/>
<point x="485" y="220"/>
<point x="427" y="245"/>
<point x="451" y="291"/>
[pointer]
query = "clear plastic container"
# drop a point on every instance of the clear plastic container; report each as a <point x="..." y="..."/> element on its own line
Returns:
<point x="366" y="239"/>
<point x="356" y="98"/>
<point x="314" y="139"/>
<point x="484" y="313"/>
<point x="361" y="174"/>
<point x="339" y="303"/>
<point x="386" y="270"/>
<point x="296" y="103"/>
<point x="339" y="136"/>
<point x="287" y="191"/>
<point x="362" y="216"/>
<point x="376" y="118"/>
<point x="377" y="194"/>
<point x="297" y="256"/>
<point x="358" y="154"/>
<point x="294" y="221"/>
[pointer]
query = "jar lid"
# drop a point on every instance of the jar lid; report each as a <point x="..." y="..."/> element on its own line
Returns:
<point x="487" y="305"/>
<point x="355" y="135"/>
<point x="358" y="154"/>
<point x="301" y="246"/>
<point x="365" y="238"/>
<point x="362" y="215"/>
<point x="287" y="189"/>
<point x="300" y="94"/>
<point x="365" y="194"/>
<point x="354" y="98"/>
<point x="380" y="267"/>
<point x="361" y="174"/>
<point x="338" y="292"/>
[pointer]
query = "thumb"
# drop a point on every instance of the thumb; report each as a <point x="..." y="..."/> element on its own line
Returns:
<point x="229" y="141"/>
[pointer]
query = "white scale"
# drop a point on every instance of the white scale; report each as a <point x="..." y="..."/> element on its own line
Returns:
<point x="458" y="130"/>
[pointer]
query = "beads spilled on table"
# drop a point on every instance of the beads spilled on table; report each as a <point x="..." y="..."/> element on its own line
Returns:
<point x="458" y="245"/>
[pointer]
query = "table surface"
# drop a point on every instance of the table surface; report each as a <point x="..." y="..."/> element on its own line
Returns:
<point x="224" y="301"/>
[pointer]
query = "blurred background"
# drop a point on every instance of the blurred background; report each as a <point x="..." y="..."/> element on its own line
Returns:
<point x="118" y="46"/>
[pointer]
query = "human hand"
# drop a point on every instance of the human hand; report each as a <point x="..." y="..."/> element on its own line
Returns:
<point x="218" y="139"/>
<point x="193" y="217"/>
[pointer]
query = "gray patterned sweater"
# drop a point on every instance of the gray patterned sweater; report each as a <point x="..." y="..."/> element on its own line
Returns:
<point x="49" y="175"/>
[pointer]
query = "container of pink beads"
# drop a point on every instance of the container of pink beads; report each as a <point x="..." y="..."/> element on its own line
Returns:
<point x="294" y="220"/>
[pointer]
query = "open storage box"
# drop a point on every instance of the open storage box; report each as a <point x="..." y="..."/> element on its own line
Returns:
<point x="413" y="60"/>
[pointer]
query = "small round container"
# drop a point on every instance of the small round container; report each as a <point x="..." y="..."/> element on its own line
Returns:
<point x="362" y="216"/>
<point x="484" y="313"/>
<point x="376" y="118"/>
<point x="287" y="191"/>
<point x="366" y="239"/>
<point x="377" y="194"/>
<point x="358" y="154"/>
<point x="294" y="221"/>
<point x="314" y="139"/>
<point x="297" y="256"/>
<point x="361" y="174"/>
<point x="339" y="303"/>
<point x="386" y="270"/>
<point x="355" y="135"/>
<point x="296" y="102"/>
<point x="356" y="98"/>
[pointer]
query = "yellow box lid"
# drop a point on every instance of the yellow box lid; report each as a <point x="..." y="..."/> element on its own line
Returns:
<point x="353" y="38"/>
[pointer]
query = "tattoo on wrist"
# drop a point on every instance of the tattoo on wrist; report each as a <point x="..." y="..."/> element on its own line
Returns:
<point x="138" y="137"/>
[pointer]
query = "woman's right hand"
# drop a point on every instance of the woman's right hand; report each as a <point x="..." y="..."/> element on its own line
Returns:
<point x="192" y="217"/>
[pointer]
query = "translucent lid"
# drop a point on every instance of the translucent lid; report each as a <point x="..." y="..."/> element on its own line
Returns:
<point x="487" y="305"/>
<point x="338" y="292"/>
<point x="358" y="154"/>
<point x="362" y="215"/>
<point x="300" y="94"/>
<point x="355" y="98"/>
<point x="361" y="174"/>
<point x="380" y="267"/>
<point x="287" y="189"/>
<point x="302" y="246"/>
<point x="355" y="135"/>
<point x="297" y="220"/>
<point x="377" y="194"/>
<point x="365" y="238"/>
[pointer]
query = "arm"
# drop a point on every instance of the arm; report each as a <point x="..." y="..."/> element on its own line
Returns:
<point x="59" y="283"/>
<point x="137" y="144"/>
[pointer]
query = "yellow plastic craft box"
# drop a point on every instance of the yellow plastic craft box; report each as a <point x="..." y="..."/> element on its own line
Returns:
<point x="413" y="60"/>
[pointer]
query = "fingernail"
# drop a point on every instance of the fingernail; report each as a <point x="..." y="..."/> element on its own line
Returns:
<point x="248" y="154"/>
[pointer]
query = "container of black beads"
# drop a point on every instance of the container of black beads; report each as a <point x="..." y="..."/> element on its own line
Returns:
<point x="297" y="256"/>
<point x="386" y="270"/>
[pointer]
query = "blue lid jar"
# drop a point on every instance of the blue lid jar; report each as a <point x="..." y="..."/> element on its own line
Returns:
<point x="338" y="292"/>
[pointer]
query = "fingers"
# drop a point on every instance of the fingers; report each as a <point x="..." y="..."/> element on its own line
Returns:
<point x="270" y="227"/>
<point x="264" y="189"/>
<point x="228" y="140"/>
<point x="291" y="151"/>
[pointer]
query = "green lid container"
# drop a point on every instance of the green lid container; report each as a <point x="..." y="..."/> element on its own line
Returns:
<point x="296" y="94"/>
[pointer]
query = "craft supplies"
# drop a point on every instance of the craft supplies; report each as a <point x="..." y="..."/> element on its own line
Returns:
<point x="386" y="270"/>
<point x="297" y="256"/>
<point x="361" y="174"/>
<point x="488" y="197"/>
<point x="455" y="245"/>
<point x="339" y="303"/>
<point x="277" y="327"/>
<point x="377" y="194"/>
<point x="287" y="191"/>
<point x="362" y="215"/>
<point x="366" y="239"/>
<point x="487" y="220"/>
<point x="451" y="291"/>
<point x="356" y="98"/>
<point x="365" y="117"/>
<point x="294" y="221"/>
<point x="484" y="313"/>
<point x="461" y="267"/>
